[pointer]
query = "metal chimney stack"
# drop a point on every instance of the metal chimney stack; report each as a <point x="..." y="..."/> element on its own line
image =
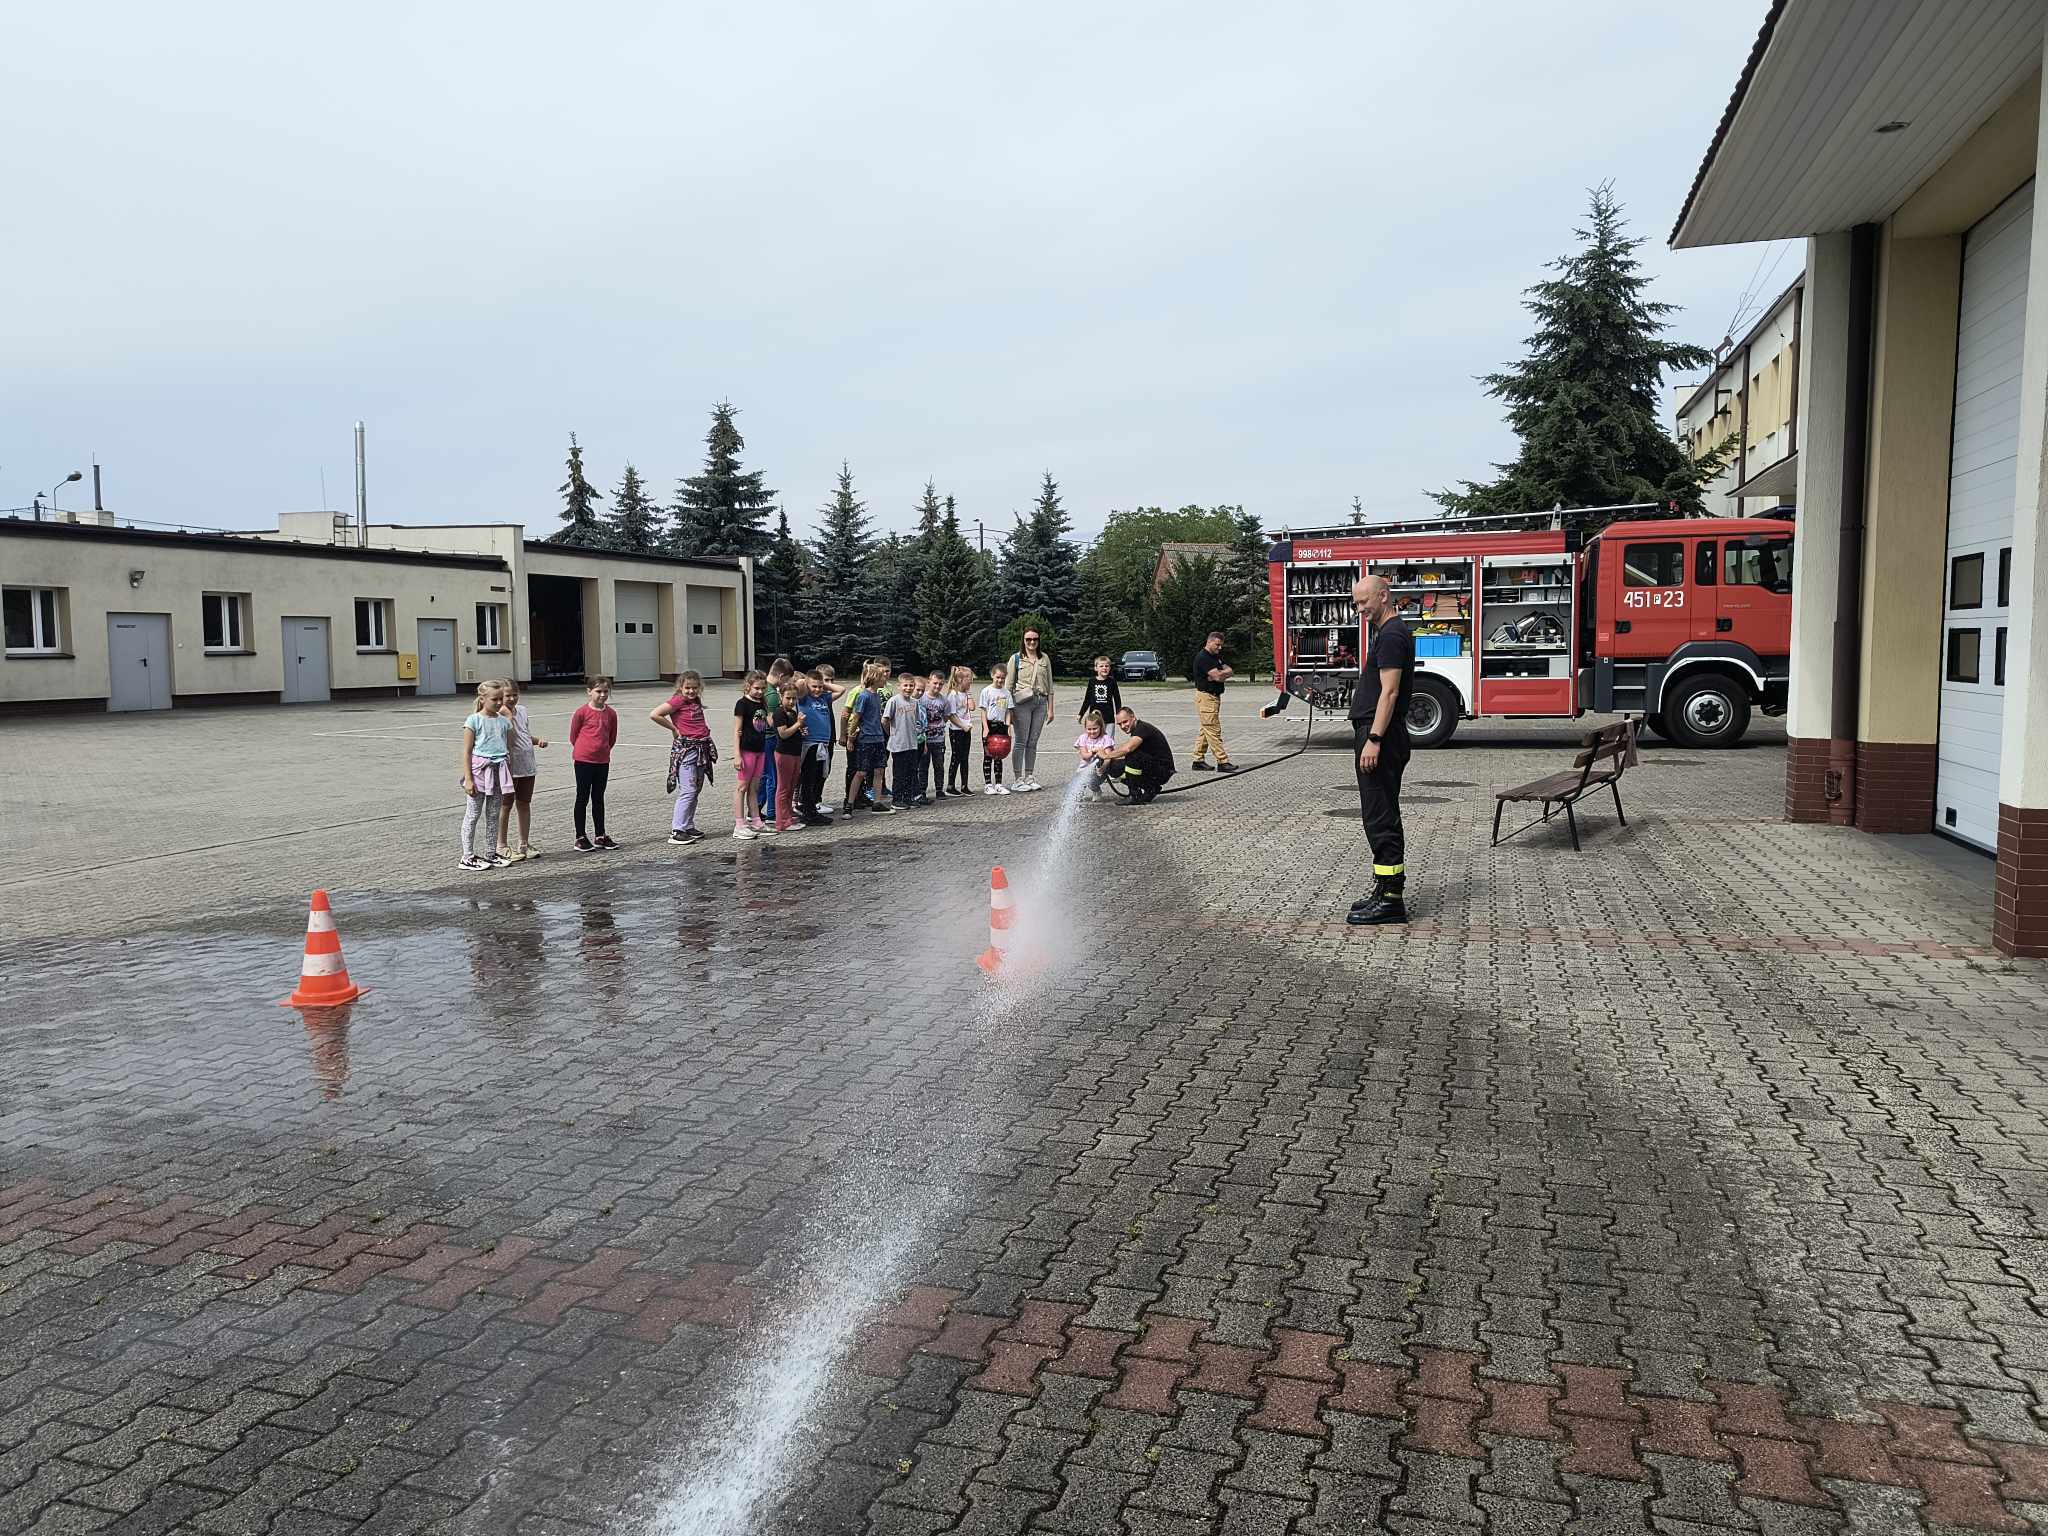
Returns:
<point x="362" y="494"/>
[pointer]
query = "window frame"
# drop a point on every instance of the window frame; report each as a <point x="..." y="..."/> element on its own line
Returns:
<point x="1678" y="553"/>
<point x="1735" y="570"/>
<point x="235" y="624"/>
<point x="1957" y="564"/>
<point x="491" y="623"/>
<point x="1705" y="554"/>
<point x="46" y="628"/>
<point x="1951" y="660"/>
<point x="380" y="612"/>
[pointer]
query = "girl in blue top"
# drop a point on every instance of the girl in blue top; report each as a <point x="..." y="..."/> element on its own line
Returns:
<point x="486" y="773"/>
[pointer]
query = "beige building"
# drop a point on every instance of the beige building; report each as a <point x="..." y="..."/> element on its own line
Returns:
<point x="103" y="616"/>
<point x="1905" y="147"/>
<point x="582" y="612"/>
<point x="1750" y="402"/>
<point x="122" y="618"/>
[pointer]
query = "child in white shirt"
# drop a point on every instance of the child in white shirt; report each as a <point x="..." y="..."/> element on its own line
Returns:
<point x="995" y="713"/>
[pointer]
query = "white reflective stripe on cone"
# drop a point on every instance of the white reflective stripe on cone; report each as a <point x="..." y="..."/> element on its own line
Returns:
<point x="320" y="922"/>
<point x="998" y="939"/>
<point x="999" y="901"/>
<point x="321" y="965"/>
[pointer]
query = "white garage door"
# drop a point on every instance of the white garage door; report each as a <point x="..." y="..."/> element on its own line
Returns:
<point x="1983" y="461"/>
<point x="637" y="608"/>
<point x="707" y="646"/>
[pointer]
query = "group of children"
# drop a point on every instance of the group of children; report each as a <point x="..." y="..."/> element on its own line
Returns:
<point x="902" y="750"/>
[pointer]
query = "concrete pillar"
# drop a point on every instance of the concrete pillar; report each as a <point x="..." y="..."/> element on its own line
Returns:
<point x="2020" y="918"/>
<point x="600" y="627"/>
<point x="1819" y="771"/>
<point x="1913" y="388"/>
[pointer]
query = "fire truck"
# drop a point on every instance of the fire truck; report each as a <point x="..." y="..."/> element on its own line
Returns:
<point x="1687" y="621"/>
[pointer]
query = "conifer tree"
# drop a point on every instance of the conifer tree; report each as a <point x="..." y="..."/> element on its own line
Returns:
<point x="724" y="510"/>
<point x="1357" y="513"/>
<point x="892" y="591"/>
<point x="635" y="522"/>
<point x="838" y="617"/>
<point x="952" y="611"/>
<point x="1584" y="398"/>
<point x="779" y="584"/>
<point x="1102" y="625"/>
<point x="580" y="523"/>
<point x="1251" y="632"/>
<point x="1041" y="565"/>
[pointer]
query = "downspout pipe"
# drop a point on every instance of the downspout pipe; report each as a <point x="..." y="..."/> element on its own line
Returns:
<point x="1848" y="636"/>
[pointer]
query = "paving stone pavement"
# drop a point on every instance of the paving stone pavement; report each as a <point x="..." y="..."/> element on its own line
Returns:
<point x="1692" y="1183"/>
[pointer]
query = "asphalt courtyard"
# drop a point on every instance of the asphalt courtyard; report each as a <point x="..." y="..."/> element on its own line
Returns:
<point x="1696" y="1182"/>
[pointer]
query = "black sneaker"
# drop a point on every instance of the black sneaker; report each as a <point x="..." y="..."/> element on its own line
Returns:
<point x="1199" y="766"/>
<point x="881" y="810"/>
<point x="693" y="836"/>
<point x="1226" y="767"/>
<point x="605" y="842"/>
<point x="585" y="845"/>
<point x="679" y="837"/>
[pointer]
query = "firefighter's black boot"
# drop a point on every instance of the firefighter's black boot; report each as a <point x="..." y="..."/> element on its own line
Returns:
<point x="1384" y="905"/>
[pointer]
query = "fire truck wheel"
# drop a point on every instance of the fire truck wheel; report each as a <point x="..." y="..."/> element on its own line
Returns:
<point x="1432" y="713"/>
<point x="1708" y="709"/>
<point x="1658" y="727"/>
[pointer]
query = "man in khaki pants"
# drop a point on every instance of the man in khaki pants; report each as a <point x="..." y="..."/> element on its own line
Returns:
<point x="1210" y="672"/>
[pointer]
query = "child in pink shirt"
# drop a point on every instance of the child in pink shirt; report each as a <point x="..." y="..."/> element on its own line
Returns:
<point x="592" y="730"/>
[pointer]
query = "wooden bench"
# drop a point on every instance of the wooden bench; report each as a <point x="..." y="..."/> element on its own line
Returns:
<point x="1604" y="756"/>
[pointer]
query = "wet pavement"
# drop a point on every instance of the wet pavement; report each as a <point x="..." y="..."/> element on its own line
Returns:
<point x="1695" y="1182"/>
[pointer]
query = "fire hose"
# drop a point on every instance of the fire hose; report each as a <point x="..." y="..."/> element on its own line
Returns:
<point x="1116" y="785"/>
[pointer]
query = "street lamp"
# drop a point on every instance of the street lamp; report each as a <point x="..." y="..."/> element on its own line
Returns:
<point x="76" y="474"/>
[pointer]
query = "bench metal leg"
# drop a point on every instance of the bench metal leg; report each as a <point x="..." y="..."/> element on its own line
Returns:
<point x="1573" y="822"/>
<point x="1498" y="807"/>
<point x="1615" y="785"/>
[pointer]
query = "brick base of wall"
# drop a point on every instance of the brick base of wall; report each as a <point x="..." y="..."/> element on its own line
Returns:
<point x="2019" y="923"/>
<point x="1895" y="786"/>
<point x="1820" y="780"/>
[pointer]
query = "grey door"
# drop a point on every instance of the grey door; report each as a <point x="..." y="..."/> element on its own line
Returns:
<point x="437" y="656"/>
<point x="706" y="645"/>
<point x="637" y="609"/>
<point x="305" y="661"/>
<point x="138" y="661"/>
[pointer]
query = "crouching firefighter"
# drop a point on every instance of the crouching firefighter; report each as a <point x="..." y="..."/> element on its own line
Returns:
<point x="1379" y="733"/>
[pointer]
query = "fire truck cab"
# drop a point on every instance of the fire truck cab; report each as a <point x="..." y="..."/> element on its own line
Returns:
<point x="1686" y="620"/>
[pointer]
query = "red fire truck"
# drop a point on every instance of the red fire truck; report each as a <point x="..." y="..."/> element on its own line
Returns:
<point x="1687" y="620"/>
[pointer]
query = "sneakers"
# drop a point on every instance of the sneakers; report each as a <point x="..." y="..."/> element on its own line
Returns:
<point x="507" y="856"/>
<point x="743" y="832"/>
<point x="585" y="845"/>
<point x="1200" y="767"/>
<point x="1000" y="790"/>
<point x="882" y="810"/>
<point x="764" y="830"/>
<point x="1226" y="767"/>
<point x="472" y="863"/>
<point x="605" y="842"/>
<point x="1027" y="786"/>
<point x="988" y="789"/>
<point x="693" y="836"/>
<point x="528" y="851"/>
<point x="679" y="838"/>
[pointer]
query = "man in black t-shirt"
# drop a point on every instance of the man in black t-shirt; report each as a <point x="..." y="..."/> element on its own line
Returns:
<point x="1379" y="733"/>
<point x="1209" y="672"/>
<point x="1143" y="758"/>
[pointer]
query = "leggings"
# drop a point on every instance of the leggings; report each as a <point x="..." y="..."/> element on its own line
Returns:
<point x="789" y="768"/>
<point x="956" y="766"/>
<point x="991" y="767"/>
<point x="591" y="779"/>
<point x="1028" y="719"/>
<point x="482" y="808"/>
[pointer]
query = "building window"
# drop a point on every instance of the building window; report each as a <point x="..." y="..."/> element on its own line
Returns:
<point x="490" y="626"/>
<point x="373" y="624"/>
<point x="1767" y="565"/>
<point x="31" y="621"/>
<point x="1966" y="581"/>
<point x="1964" y="649"/>
<point x="221" y="621"/>
<point x="1653" y="565"/>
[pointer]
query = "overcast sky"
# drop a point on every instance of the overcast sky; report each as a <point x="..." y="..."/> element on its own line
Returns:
<point x="1193" y="252"/>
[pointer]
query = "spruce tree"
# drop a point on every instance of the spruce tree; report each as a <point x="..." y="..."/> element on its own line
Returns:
<point x="1357" y="513"/>
<point x="724" y="510"/>
<point x="1584" y="398"/>
<point x="779" y="583"/>
<point x="1102" y="625"/>
<point x="580" y="523"/>
<point x="1251" y="632"/>
<point x="892" y="593"/>
<point x="838" y="618"/>
<point x="1041" y="564"/>
<point x="952" y="617"/>
<point x="635" y="522"/>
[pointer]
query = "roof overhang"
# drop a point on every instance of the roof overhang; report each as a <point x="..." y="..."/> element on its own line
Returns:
<point x="1779" y="479"/>
<point x="1799" y="151"/>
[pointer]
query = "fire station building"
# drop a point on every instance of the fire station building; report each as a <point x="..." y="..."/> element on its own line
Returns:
<point x="1902" y="140"/>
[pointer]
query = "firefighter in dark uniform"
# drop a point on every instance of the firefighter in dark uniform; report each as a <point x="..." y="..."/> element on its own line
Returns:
<point x="1379" y="732"/>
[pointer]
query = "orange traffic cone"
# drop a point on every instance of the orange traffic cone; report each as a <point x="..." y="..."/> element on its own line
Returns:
<point x="1002" y="913"/>
<point x="323" y="978"/>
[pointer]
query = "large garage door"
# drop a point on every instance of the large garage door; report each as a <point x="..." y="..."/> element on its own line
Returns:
<point x="707" y="646"/>
<point x="1983" y="462"/>
<point x="637" y="608"/>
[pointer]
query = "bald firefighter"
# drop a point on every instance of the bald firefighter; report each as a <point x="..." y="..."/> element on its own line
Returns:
<point x="1379" y="732"/>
